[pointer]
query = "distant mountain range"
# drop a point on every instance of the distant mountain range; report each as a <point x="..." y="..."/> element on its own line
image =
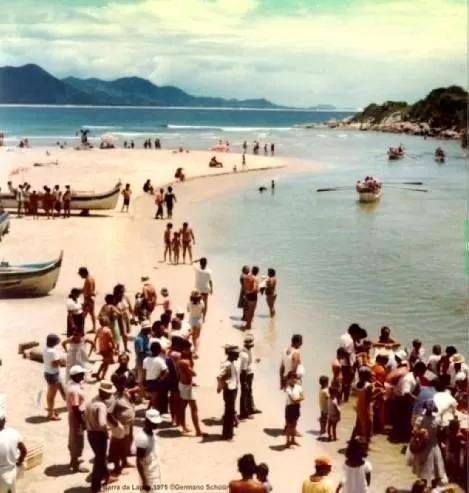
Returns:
<point x="31" y="84"/>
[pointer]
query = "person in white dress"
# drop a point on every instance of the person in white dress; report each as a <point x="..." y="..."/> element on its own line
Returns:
<point x="357" y="470"/>
<point x="10" y="460"/>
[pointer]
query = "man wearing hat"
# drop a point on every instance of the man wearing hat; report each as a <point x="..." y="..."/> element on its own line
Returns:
<point x="75" y="400"/>
<point x="148" y="465"/>
<point x="246" y="376"/>
<point x="228" y="383"/>
<point x="97" y="417"/>
<point x="319" y="482"/>
<point x="10" y="445"/>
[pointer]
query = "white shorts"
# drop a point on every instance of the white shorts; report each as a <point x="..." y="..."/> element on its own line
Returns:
<point x="186" y="392"/>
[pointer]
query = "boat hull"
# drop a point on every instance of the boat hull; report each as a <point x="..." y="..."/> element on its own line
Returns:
<point x="24" y="281"/>
<point x="80" y="201"/>
<point x="368" y="197"/>
<point x="4" y="223"/>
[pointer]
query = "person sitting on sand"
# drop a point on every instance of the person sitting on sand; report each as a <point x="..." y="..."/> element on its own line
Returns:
<point x="180" y="174"/>
<point x="319" y="482"/>
<point x="247" y="484"/>
<point x="214" y="163"/>
<point x="148" y="187"/>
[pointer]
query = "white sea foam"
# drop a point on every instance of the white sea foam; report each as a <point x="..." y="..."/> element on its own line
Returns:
<point x="227" y="129"/>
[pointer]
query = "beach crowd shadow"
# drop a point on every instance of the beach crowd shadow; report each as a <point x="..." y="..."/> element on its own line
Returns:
<point x="212" y="421"/>
<point x="274" y="432"/>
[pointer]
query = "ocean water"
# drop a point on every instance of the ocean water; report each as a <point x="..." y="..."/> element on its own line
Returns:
<point x="399" y="262"/>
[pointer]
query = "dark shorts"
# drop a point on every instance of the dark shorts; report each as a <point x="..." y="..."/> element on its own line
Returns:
<point x="153" y="386"/>
<point x="292" y="413"/>
<point x="126" y="201"/>
<point x="51" y="378"/>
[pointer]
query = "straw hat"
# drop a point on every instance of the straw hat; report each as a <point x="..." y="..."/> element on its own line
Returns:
<point x="457" y="358"/>
<point x="77" y="370"/>
<point x="106" y="387"/>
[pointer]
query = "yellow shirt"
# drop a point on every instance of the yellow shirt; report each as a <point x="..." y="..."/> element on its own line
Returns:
<point x="323" y="400"/>
<point x="324" y="485"/>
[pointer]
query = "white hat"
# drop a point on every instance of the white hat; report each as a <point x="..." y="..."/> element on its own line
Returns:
<point x="146" y="324"/>
<point x="77" y="369"/>
<point x="401" y="354"/>
<point x="460" y="376"/>
<point x="2" y="414"/>
<point x="153" y="416"/>
<point x="179" y="311"/>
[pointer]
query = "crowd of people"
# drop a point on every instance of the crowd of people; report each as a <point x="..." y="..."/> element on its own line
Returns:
<point x="54" y="201"/>
<point x="369" y="184"/>
<point x="256" y="146"/>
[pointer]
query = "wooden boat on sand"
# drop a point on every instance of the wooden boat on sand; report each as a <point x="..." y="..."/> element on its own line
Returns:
<point x="4" y="223"/>
<point x="21" y="281"/>
<point x="81" y="201"/>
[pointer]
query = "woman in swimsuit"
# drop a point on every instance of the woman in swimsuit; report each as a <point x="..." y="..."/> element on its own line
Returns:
<point x="271" y="291"/>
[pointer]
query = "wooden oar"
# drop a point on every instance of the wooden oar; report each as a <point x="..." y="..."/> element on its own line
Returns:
<point x="403" y="183"/>
<point x="333" y="189"/>
<point x="413" y="189"/>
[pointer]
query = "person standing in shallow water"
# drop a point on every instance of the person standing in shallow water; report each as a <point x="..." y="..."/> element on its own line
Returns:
<point x="271" y="291"/>
<point x="251" y="287"/>
<point x="242" y="303"/>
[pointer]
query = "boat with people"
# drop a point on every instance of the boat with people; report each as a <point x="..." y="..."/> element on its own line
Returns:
<point x="396" y="152"/>
<point x="369" y="190"/>
<point x="439" y="155"/>
<point x="27" y="280"/>
<point x="4" y="223"/>
<point x="83" y="201"/>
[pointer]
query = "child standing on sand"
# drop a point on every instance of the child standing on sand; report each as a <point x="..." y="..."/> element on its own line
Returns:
<point x="294" y="393"/>
<point x="323" y="403"/>
<point x="126" y="194"/>
<point x="104" y="345"/>
<point x="333" y="414"/>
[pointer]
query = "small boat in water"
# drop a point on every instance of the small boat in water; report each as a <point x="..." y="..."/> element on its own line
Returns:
<point x="4" y="223"/>
<point x="21" y="281"/>
<point x="439" y="155"/>
<point x="396" y="152"/>
<point x="82" y="201"/>
<point x="369" y="190"/>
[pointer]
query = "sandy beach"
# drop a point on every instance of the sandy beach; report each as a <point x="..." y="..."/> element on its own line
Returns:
<point x="118" y="247"/>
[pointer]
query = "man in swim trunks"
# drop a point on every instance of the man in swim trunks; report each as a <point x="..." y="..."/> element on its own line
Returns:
<point x="169" y="199"/>
<point x="167" y="242"/>
<point x="159" y="200"/>
<point x="186" y="372"/>
<point x="187" y="237"/>
<point x="89" y="293"/>
<point x="251" y="289"/>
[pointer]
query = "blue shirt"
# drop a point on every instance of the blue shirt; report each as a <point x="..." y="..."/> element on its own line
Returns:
<point x="425" y="394"/>
<point x="142" y="347"/>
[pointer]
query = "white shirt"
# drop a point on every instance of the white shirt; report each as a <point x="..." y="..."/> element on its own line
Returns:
<point x="145" y="441"/>
<point x="195" y="309"/>
<point x="184" y="332"/>
<point x="452" y="372"/>
<point x="73" y="306"/>
<point x="355" y="478"/>
<point x="293" y="393"/>
<point x="245" y="360"/>
<point x="49" y="355"/>
<point x="9" y="439"/>
<point x="154" y="366"/>
<point x="406" y="384"/>
<point x="228" y="367"/>
<point x="164" y="342"/>
<point x="446" y="405"/>
<point x="203" y="277"/>
<point x="347" y="343"/>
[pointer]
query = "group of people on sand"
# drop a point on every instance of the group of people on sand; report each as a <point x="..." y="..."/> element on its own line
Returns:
<point x="417" y="399"/>
<point x="175" y="241"/>
<point x="251" y="285"/>
<point x="54" y="202"/>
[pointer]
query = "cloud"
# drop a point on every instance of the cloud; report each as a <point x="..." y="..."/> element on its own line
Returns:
<point x="293" y="51"/>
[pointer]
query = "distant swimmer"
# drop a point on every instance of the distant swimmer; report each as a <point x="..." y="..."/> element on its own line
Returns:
<point x="262" y="189"/>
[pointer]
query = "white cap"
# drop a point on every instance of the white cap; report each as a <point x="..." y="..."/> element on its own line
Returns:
<point x="401" y="354"/>
<point x="77" y="369"/>
<point x="153" y="416"/>
<point x="146" y="324"/>
<point x="179" y="311"/>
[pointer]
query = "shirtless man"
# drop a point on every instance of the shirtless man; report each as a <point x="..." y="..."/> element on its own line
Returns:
<point x="186" y="373"/>
<point x="247" y="483"/>
<point x="89" y="293"/>
<point x="188" y="239"/>
<point x="167" y="242"/>
<point x="159" y="200"/>
<point x="251" y="289"/>
<point x="149" y="296"/>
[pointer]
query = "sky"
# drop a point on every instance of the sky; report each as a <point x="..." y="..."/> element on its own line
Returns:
<point x="292" y="52"/>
